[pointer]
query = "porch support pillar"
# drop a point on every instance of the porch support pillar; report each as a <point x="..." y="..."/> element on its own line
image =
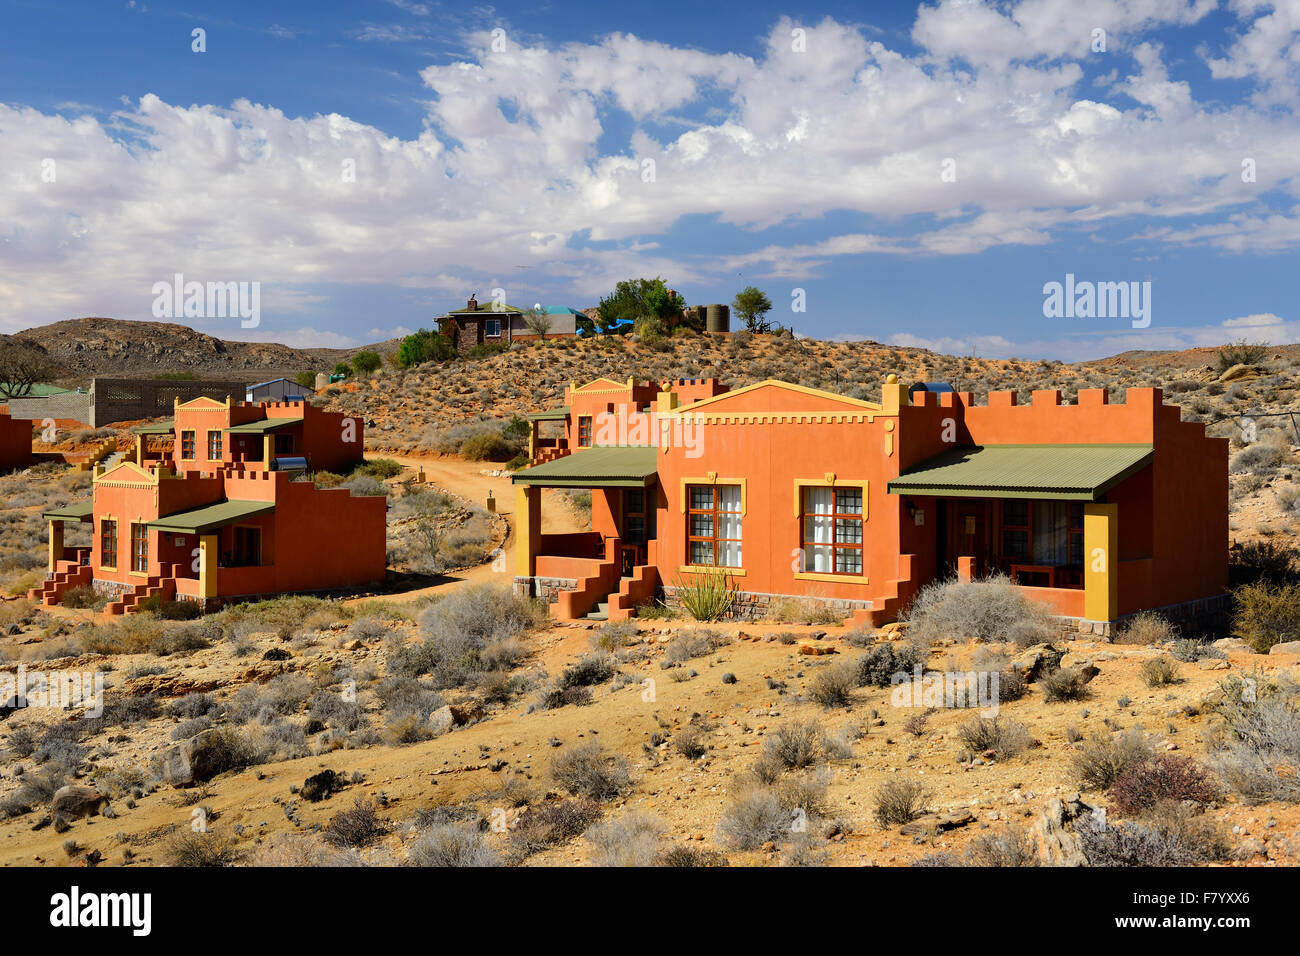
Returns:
<point x="532" y="440"/>
<point x="268" y="445"/>
<point x="528" y="529"/>
<point x="56" y="543"/>
<point x="1100" y="561"/>
<point x="208" y="565"/>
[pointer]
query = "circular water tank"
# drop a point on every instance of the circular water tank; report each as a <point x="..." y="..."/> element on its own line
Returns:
<point x="717" y="318"/>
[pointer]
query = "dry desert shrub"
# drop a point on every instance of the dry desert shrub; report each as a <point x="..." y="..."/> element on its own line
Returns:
<point x="460" y="844"/>
<point x="1100" y="761"/>
<point x="898" y="802"/>
<point x="630" y="840"/>
<point x="1147" y="628"/>
<point x="992" y="609"/>
<point x="588" y="771"/>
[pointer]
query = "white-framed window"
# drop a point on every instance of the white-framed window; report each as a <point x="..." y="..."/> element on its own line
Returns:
<point x="492" y="328"/>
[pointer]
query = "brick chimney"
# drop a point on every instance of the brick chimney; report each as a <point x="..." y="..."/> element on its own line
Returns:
<point x="472" y="305"/>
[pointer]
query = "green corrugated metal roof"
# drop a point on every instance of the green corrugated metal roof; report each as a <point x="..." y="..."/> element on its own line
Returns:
<point x="77" y="511"/>
<point x="1069" y="472"/>
<point x="164" y="427"/>
<point x="550" y="415"/>
<point x="263" y="426"/>
<point x="211" y="517"/>
<point x="622" y="466"/>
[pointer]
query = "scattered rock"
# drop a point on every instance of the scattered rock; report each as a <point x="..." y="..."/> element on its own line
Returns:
<point x="1285" y="647"/>
<point x="75" y="801"/>
<point x="1033" y="661"/>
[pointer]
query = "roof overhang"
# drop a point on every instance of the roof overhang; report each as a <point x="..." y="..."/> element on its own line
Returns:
<point x="550" y="415"/>
<point x="616" y="466"/>
<point x="77" y="511"/>
<point x="165" y="427"/>
<point x="1064" y="472"/>
<point x="211" y="517"/>
<point x="263" y="426"/>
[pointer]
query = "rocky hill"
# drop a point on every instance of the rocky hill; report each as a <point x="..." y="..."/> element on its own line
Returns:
<point x="83" y="348"/>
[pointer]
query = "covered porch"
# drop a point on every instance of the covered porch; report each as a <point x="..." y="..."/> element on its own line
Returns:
<point x="547" y="447"/>
<point x="1046" y="516"/>
<point x="231" y="538"/>
<point x="607" y="571"/>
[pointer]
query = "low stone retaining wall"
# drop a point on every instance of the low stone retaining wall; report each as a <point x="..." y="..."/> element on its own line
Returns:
<point x="544" y="589"/>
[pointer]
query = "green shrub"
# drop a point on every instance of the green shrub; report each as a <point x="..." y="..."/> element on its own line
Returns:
<point x="487" y="447"/>
<point x="708" y="596"/>
<point x="1267" y="614"/>
<point x="877" y="667"/>
<point x="1241" y="352"/>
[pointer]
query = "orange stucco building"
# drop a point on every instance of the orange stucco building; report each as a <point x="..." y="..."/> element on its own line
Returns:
<point x="1097" y="510"/>
<point x="15" y="442"/>
<point x="207" y="509"/>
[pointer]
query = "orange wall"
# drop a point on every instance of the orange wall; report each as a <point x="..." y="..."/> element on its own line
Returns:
<point x="15" y="443"/>
<point x="1174" y="512"/>
<point x="770" y="456"/>
<point x="321" y="437"/>
<point x="316" y="539"/>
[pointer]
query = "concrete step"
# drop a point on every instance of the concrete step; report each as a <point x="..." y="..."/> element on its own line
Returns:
<point x="599" y="613"/>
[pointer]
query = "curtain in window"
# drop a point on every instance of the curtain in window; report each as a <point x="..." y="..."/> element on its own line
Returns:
<point x="1051" y="532"/>
<point x="729" y="526"/>
<point x="819" y="529"/>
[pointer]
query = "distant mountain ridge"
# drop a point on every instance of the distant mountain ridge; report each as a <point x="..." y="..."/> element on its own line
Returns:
<point x="84" y="348"/>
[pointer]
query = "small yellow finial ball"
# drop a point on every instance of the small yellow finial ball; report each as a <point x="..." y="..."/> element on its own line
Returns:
<point x="891" y="379"/>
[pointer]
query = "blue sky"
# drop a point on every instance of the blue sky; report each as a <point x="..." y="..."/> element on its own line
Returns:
<point x="915" y="173"/>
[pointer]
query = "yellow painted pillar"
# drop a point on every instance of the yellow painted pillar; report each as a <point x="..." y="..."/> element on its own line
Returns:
<point x="528" y="529"/>
<point x="56" y="543"/>
<point x="268" y="450"/>
<point x="892" y="395"/>
<point x="532" y="440"/>
<point x="208" y="565"/>
<point x="1100" y="562"/>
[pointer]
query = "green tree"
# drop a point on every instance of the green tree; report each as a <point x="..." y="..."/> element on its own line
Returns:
<point x="23" y="364"/>
<point x="306" y="379"/>
<point x="366" y="362"/>
<point x="424" y="346"/>
<point x="343" y="368"/>
<point x="752" y="305"/>
<point x="644" y="302"/>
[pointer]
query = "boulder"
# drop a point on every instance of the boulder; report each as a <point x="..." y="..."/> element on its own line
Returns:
<point x="467" y="711"/>
<point x="441" y="720"/>
<point x="75" y="801"/>
<point x="1238" y="372"/>
<point x="1033" y="661"/>
<point x="1285" y="647"/>
<point x="200" y="758"/>
<point x="1053" y="836"/>
<point x="1232" y="645"/>
<point x="1212" y="664"/>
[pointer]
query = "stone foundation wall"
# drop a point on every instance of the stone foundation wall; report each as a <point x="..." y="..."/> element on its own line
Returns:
<point x="1204" y="617"/>
<point x="754" y="604"/>
<point x="544" y="589"/>
<point x="111" y="589"/>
